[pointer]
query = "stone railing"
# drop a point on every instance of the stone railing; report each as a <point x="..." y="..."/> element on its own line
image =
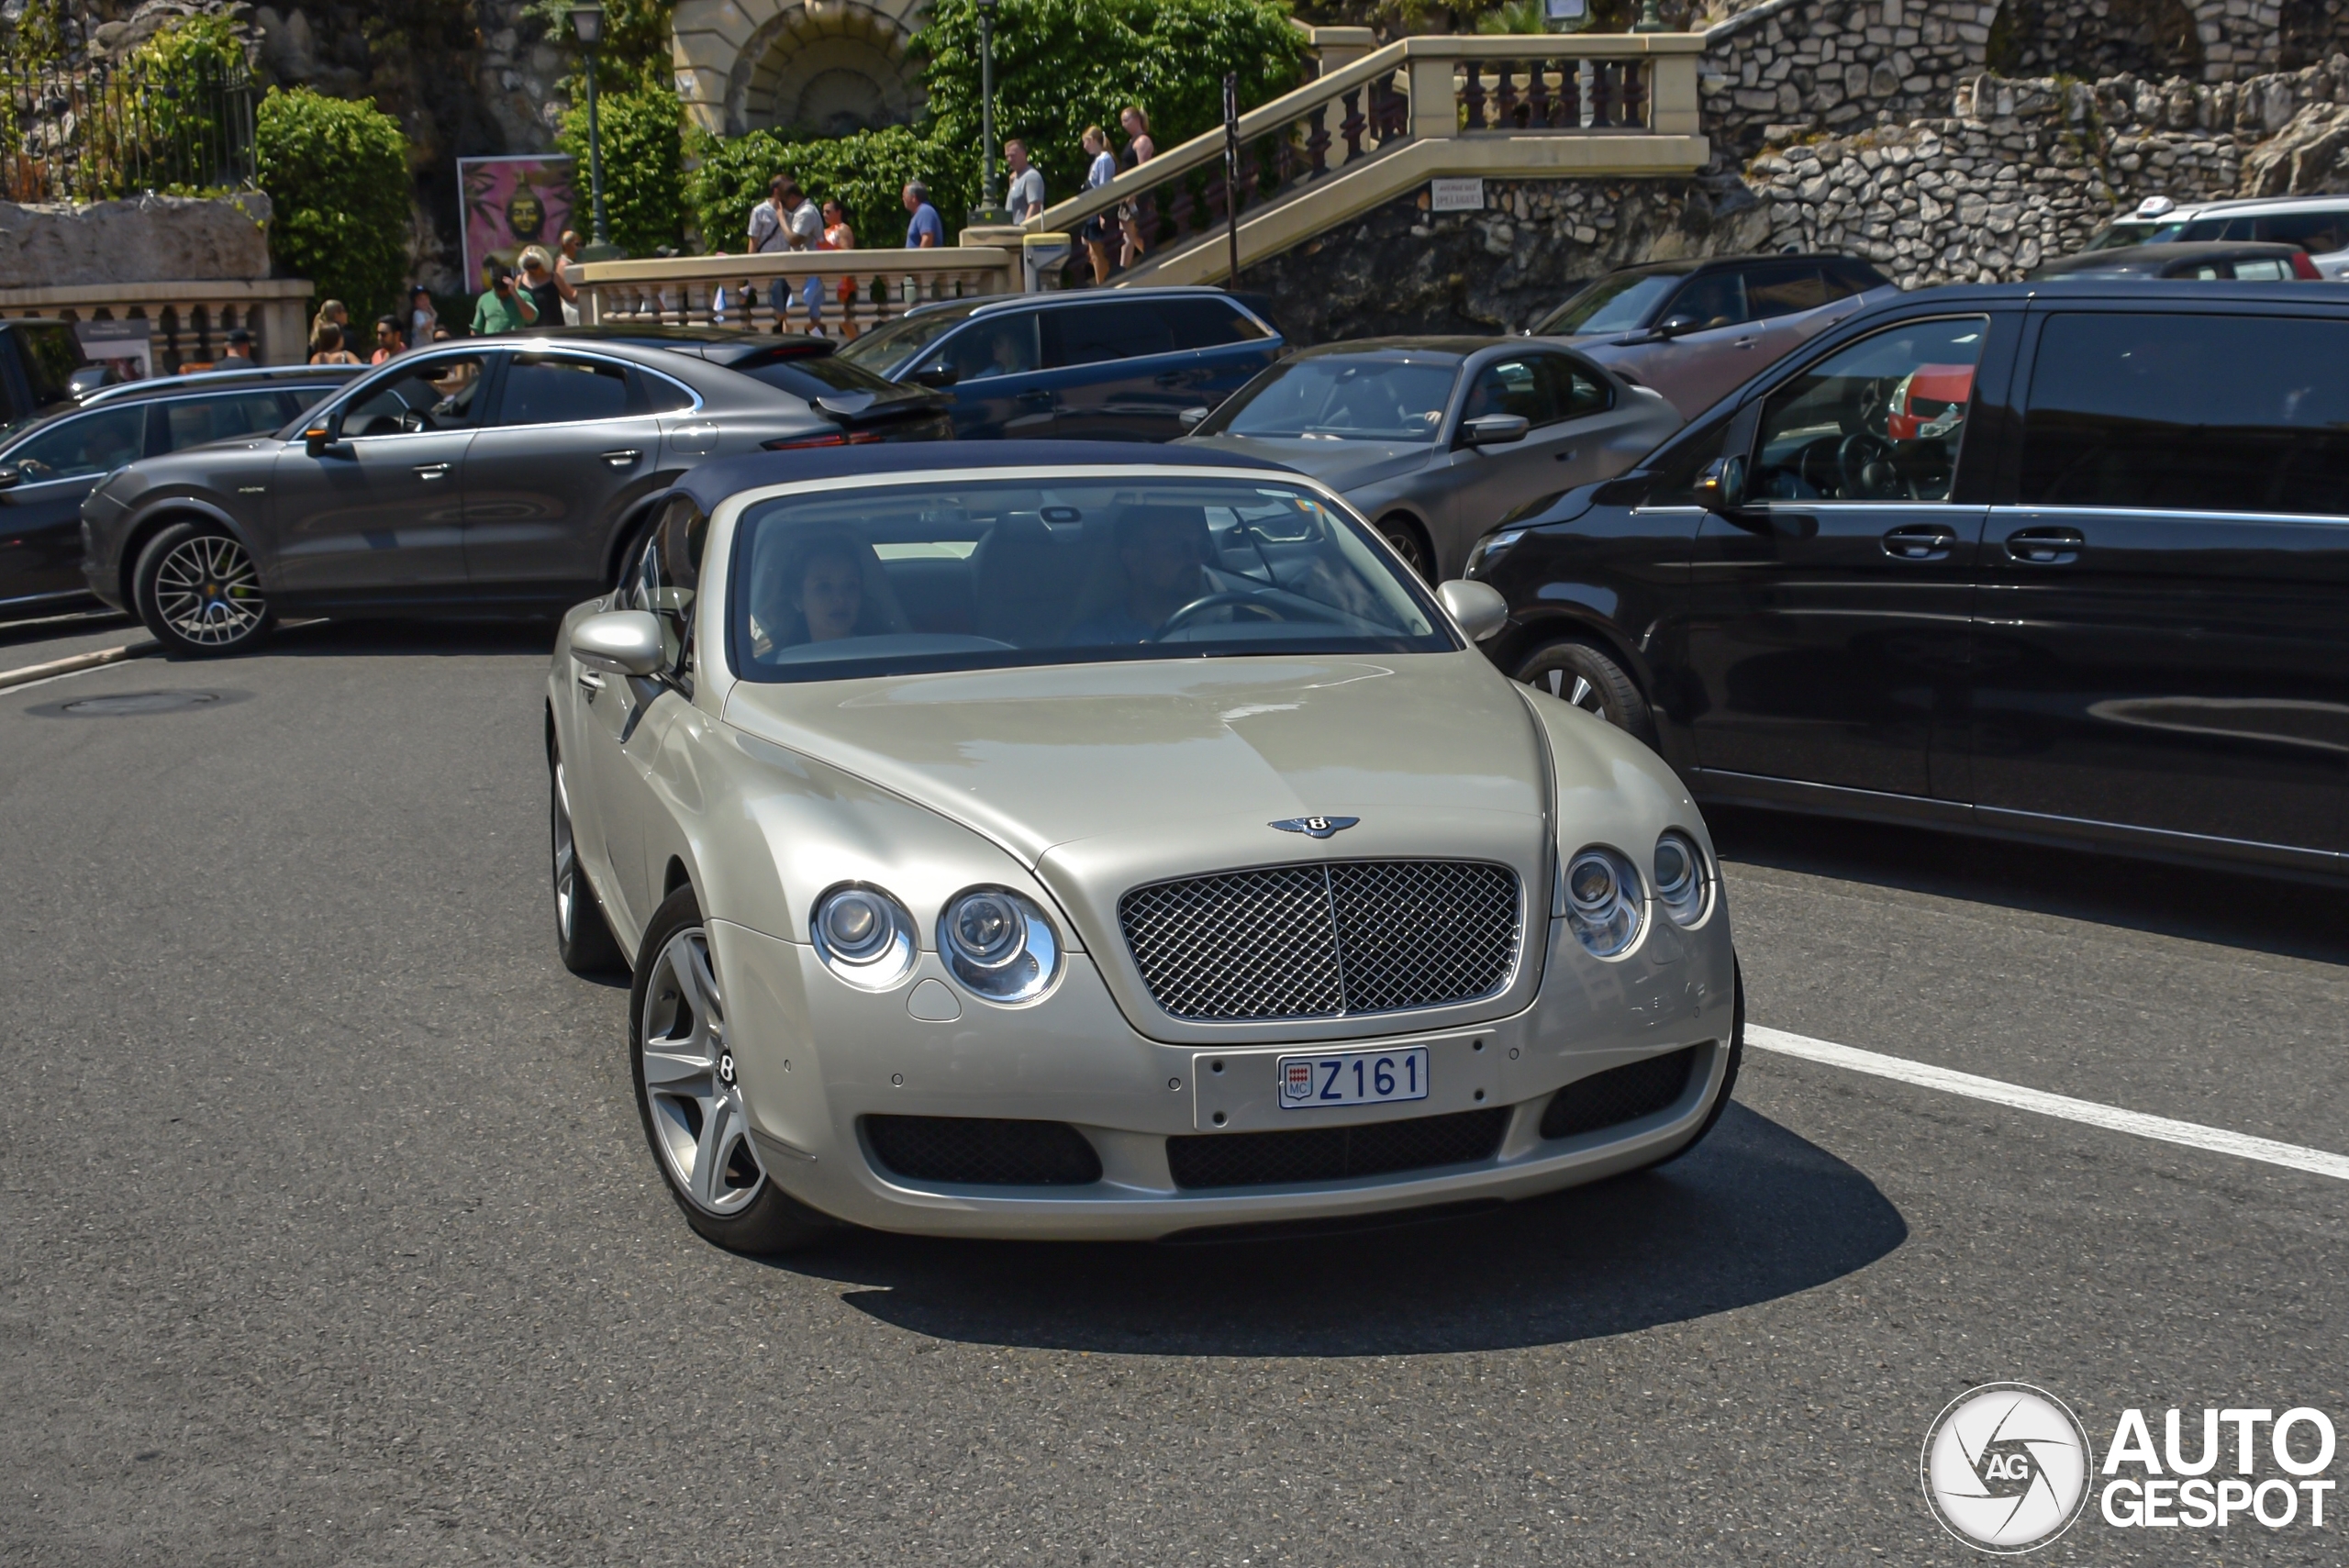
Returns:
<point x="734" y="291"/>
<point x="1416" y="90"/>
<point x="188" y="323"/>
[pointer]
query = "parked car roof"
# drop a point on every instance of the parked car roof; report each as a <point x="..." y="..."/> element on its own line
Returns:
<point x="2172" y="259"/>
<point x="1460" y="344"/>
<point x="222" y="380"/>
<point x="713" y="482"/>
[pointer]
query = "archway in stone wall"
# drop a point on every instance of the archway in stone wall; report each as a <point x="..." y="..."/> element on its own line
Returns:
<point x="830" y="68"/>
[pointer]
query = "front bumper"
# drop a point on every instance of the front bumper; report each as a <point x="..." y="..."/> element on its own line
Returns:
<point x="817" y="1057"/>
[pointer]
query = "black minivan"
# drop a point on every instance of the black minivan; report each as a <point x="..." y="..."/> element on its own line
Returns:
<point x="1107" y="364"/>
<point x="2066" y="562"/>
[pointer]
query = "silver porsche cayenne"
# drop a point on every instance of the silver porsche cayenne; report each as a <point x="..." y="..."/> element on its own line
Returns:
<point x="1109" y="842"/>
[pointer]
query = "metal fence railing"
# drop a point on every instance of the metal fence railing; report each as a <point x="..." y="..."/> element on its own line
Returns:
<point x="95" y="131"/>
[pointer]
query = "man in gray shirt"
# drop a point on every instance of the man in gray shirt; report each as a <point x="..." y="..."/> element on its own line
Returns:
<point x="805" y="221"/>
<point x="769" y="234"/>
<point x="1026" y="197"/>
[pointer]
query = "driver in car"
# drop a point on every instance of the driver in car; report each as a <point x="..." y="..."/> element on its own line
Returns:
<point x="1163" y="553"/>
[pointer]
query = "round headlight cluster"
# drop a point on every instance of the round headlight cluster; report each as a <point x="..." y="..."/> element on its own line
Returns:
<point x="1603" y="901"/>
<point x="1683" y="883"/>
<point x="863" y="936"/>
<point x="998" y="944"/>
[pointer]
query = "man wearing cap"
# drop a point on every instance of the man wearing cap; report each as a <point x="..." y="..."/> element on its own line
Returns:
<point x="504" y="308"/>
<point x="239" y="353"/>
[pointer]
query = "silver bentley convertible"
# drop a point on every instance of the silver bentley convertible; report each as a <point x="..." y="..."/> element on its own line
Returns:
<point x="1104" y="841"/>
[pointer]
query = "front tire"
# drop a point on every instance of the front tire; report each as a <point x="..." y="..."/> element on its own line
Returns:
<point x="690" y="1100"/>
<point x="1577" y="672"/>
<point x="1410" y="543"/>
<point x="583" y="937"/>
<point x="199" y="593"/>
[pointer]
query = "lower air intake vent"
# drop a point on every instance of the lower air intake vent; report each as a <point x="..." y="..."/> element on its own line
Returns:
<point x="1335" y="1153"/>
<point x="1620" y="1094"/>
<point x="982" y="1152"/>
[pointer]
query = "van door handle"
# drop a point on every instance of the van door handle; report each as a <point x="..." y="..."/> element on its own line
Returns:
<point x="1171" y="378"/>
<point x="432" y="471"/>
<point x="1921" y="541"/>
<point x="2046" y="547"/>
<point x="1035" y="399"/>
<point x="621" y="457"/>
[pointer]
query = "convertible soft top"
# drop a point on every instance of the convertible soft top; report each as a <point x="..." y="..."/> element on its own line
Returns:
<point x="713" y="482"/>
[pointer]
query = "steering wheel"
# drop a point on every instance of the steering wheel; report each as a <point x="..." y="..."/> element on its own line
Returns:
<point x="1869" y="470"/>
<point x="413" y="422"/>
<point x="1246" y="598"/>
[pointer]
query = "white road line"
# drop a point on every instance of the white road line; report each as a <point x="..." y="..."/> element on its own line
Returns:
<point x="2194" y="1135"/>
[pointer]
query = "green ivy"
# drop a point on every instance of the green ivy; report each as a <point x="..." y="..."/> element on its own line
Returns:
<point x="866" y="172"/>
<point x="634" y="56"/>
<point x="335" y="175"/>
<point x="644" y="185"/>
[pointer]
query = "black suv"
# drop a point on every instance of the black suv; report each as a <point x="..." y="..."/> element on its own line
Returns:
<point x="2062" y="562"/>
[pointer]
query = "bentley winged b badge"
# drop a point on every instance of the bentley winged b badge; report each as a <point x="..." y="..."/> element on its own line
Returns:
<point x="1316" y="827"/>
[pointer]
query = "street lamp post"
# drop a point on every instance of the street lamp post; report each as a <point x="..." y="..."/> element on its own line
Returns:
<point x="587" y="23"/>
<point x="987" y="211"/>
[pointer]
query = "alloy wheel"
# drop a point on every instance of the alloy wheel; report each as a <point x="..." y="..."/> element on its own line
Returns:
<point x="699" y="1122"/>
<point x="208" y="590"/>
<point x="1572" y="687"/>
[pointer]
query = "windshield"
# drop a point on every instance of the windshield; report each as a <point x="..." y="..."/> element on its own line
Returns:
<point x="1342" y="399"/>
<point x="884" y="346"/>
<point x="1000" y="573"/>
<point x="1617" y="304"/>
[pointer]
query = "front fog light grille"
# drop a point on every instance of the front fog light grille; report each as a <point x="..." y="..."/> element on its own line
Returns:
<point x="982" y="1152"/>
<point x="1620" y="1094"/>
<point x="1336" y="1153"/>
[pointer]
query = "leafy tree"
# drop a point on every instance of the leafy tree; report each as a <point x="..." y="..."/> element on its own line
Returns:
<point x="179" y="115"/>
<point x="644" y="182"/>
<point x="864" y="173"/>
<point x="336" y="173"/>
<point x="634" y="55"/>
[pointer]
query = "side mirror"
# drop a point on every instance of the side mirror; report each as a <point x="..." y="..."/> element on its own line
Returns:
<point x="9" y="475"/>
<point x="1494" y="431"/>
<point x="624" y="642"/>
<point x="317" y="438"/>
<point x="1191" y="419"/>
<point x="1677" y="326"/>
<point x="1722" y="487"/>
<point x="1477" y="608"/>
<point x="937" y="376"/>
<point x="88" y="379"/>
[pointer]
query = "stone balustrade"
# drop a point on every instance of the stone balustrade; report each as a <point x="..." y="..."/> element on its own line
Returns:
<point x="734" y="291"/>
<point x="189" y="322"/>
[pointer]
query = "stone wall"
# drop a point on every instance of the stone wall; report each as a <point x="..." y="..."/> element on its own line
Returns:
<point x="149" y="238"/>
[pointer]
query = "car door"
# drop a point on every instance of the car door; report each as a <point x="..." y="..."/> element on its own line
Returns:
<point x="377" y="508"/>
<point x="1827" y="624"/>
<point x="1698" y="365"/>
<point x="1112" y="372"/>
<point x="1571" y="414"/>
<point x="572" y="436"/>
<point x="2161" y="632"/>
<point x="999" y="386"/>
<point x="40" y="510"/>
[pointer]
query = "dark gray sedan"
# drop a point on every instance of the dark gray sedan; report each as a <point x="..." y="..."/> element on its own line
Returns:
<point x="492" y="475"/>
<point x="1435" y="440"/>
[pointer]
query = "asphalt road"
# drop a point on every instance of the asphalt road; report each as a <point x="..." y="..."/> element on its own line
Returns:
<point x="327" y="1233"/>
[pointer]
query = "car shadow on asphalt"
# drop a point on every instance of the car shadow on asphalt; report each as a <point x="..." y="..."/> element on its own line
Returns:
<point x="2227" y="909"/>
<point x="1753" y="1214"/>
<point x="435" y="638"/>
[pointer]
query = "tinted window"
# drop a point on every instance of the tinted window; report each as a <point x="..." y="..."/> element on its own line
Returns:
<point x="1717" y="299"/>
<point x="2193" y="413"/>
<point x="439" y="393"/>
<point x="894" y="344"/>
<point x="1614" y="304"/>
<point x="1089" y="334"/>
<point x="1879" y="420"/>
<point x="1342" y="399"/>
<point x="811" y="376"/>
<point x="191" y="422"/>
<point x="51" y="354"/>
<point x="1573" y="388"/>
<point x="1205" y="323"/>
<point x="662" y="395"/>
<point x="84" y="446"/>
<point x="544" y="389"/>
<point x="991" y="346"/>
<point x="1515" y="386"/>
<point x="1677" y="472"/>
<point x="2319" y="233"/>
<point x="1784" y="290"/>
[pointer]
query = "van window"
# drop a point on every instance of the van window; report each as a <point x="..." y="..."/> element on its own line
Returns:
<point x="1206" y="323"/>
<point x="2189" y="413"/>
<point x="1089" y="334"/>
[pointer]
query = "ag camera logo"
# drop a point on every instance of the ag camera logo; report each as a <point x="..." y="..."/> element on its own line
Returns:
<point x="2006" y="1467"/>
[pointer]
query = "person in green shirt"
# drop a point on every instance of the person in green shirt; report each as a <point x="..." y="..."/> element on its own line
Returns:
<point x="504" y="308"/>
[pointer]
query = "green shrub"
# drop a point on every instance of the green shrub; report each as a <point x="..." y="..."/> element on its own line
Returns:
<point x="866" y="172"/>
<point x="634" y="56"/>
<point x="644" y="182"/>
<point x="336" y="177"/>
<point x="179" y="79"/>
<point x="1061" y="65"/>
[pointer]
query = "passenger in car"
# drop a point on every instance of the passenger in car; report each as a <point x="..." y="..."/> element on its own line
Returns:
<point x="1162" y="564"/>
<point x="817" y="596"/>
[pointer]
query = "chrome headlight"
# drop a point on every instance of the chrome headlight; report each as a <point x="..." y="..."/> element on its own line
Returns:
<point x="1683" y="883"/>
<point x="1603" y="901"/>
<point x="998" y="944"/>
<point x="863" y="936"/>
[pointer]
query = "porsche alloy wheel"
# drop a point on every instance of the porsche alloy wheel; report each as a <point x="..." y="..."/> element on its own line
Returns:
<point x="692" y="1100"/>
<point x="199" y="593"/>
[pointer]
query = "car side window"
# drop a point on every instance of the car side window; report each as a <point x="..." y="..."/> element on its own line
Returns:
<point x="1715" y="299"/>
<point x="555" y="389"/>
<point x="662" y="395"/>
<point x="2189" y="413"/>
<point x="438" y="394"/>
<point x="2262" y="269"/>
<point x="1574" y="390"/>
<point x="2318" y="233"/>
<point x="1880" y="419"/>
<point x="991" y="346"/>
<point x="1524" y="386"/>
<point x="1789" y="287"/>
<point x="191" y="422"/>
<point x="84" y="447"/>
<point x="1206" y="323"/>
<point x="1089" y="334"/>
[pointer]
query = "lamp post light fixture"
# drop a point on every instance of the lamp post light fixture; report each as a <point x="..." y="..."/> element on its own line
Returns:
<point x="1650" y="19"/>
<point x="588" y="24"/>
<point x="987" y="211"/>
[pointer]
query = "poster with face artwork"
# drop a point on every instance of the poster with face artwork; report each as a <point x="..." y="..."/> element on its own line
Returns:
<point x="511" y="204"/>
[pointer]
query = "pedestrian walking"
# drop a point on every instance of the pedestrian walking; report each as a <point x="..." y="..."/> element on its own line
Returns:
<point x="926" y="231"/>
<point x="1140" y="150"/>
<point x="770" y="234"/>
<point x="566" y="257"/>
<point x="1026" y="197"/>
<point x="838" y="236"/>
<point x="423" y="317"/>
<point x="331" y="313"/>
<point x="387" y="340"/>
<point x="806" y="222"/>
<point x="537" y="277"/>
<point x="330" y="351"/>
<point x="503" y="307"/>
<point x="1098" y="232"/>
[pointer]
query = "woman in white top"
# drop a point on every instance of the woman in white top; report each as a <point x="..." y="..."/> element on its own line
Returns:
<point x="1097" y="228"/>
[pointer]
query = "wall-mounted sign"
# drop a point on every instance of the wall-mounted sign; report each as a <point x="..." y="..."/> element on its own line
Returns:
<point x="509" y="204"/>
<point x="1456" y="195"/>
<point x="127" y="345"/>
<point x="1566" y="10"/>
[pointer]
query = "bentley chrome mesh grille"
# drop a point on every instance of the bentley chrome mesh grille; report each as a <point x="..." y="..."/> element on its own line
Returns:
<point x="1327" y="941"/>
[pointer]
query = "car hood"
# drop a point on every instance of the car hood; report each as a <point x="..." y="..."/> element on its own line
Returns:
<point x="1103" y="777"/>
<point x="1340" y="465"/>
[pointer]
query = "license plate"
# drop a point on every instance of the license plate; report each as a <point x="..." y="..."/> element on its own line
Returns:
<point x="1353" y="1078"/>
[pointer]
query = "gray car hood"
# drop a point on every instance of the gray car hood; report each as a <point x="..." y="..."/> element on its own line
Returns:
<point x="1340" y="465"/>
